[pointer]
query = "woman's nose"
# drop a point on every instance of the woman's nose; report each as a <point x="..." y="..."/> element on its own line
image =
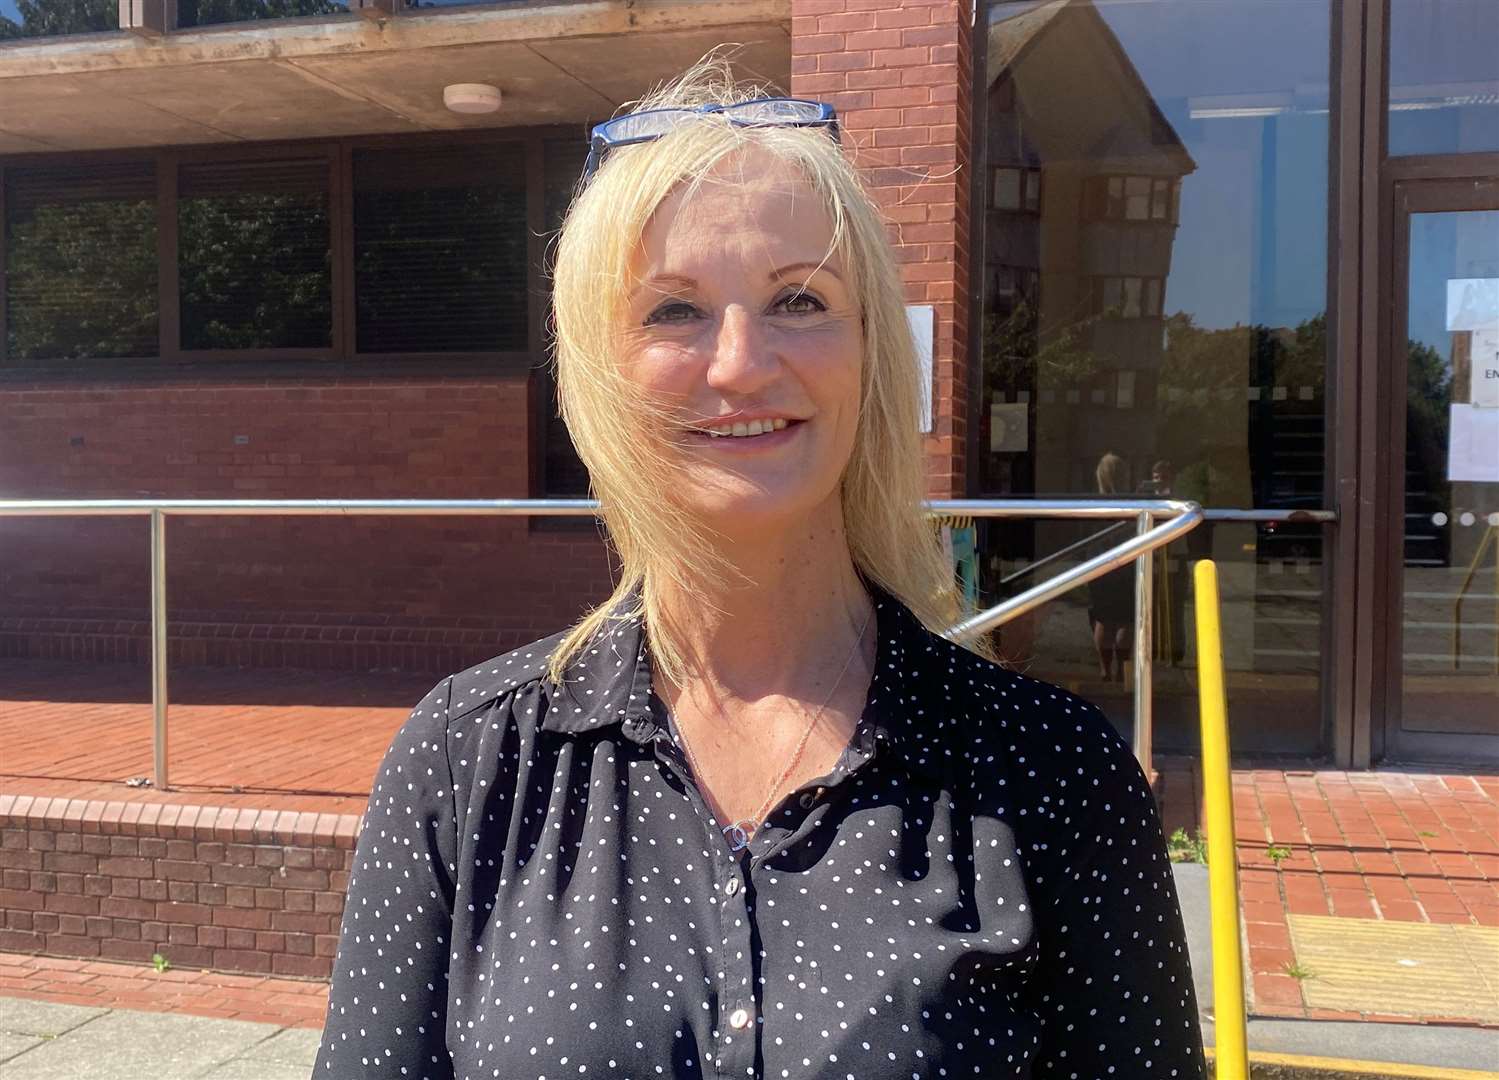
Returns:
<point x="741" y="362"/>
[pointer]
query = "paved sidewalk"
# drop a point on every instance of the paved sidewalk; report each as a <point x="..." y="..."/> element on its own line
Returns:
<point x="46" y="1041"/>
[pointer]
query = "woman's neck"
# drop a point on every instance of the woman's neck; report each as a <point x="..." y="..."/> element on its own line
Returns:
<point x="786" y="629"/>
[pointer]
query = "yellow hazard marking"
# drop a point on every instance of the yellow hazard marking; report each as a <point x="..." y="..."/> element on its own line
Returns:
<point x="1269" y="1066"/>
<point x="1410" y="969"/>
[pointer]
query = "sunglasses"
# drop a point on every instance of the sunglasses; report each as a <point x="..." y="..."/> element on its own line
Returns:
<point x="653" y="123"/>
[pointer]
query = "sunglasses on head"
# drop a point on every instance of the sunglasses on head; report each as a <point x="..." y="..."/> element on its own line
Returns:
<point x="653" y="123"/>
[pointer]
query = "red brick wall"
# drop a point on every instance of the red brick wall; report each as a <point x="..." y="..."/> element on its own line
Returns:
<point x="207" y="887"/>
<point x="899" y="73"/>
<point x="425" y="594"/>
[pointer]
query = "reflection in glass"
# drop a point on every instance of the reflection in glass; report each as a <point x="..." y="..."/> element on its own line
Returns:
<point x="80" y="263"/>
<point x="440" y="249"/>
<point x="1450" y="590"/>
<point x="54" y="18"/>
<point x="1176" y="326"/>
<point x="1444" y="76"/>
<point x="215" y="12"/>
<point x="254" y="255"/>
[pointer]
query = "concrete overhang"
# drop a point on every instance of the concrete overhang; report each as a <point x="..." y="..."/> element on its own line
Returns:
<point x="560" y="62"/>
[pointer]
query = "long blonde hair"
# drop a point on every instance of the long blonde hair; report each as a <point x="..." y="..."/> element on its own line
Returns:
<point x="616" y="426"/>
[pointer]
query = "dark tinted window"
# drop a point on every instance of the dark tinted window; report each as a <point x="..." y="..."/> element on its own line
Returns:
<point x="254" y="255"/>
<point x="440" y="249"/>
<point x="565" y="474"/>
<point x="81" y="262"/>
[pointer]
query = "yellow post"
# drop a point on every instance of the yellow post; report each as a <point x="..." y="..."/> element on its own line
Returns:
<point x="1232" y="1053"/>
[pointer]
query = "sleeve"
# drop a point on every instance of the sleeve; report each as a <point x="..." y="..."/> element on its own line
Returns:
<point x="1113" y="985"/>
<point x="387" y="1006"/>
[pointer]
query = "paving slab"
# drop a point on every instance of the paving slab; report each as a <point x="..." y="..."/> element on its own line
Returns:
<point x="21" y="1016"/>
<point x="11" y="1045"/>
<point x="128" y="1045"/>
<point x="245" y="1069"/>
<point x="293" y="1046"/>
<point x="1434" y="1046"/>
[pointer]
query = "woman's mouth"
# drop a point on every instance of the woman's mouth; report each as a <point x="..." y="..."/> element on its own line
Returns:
<point x="766" y="432"/>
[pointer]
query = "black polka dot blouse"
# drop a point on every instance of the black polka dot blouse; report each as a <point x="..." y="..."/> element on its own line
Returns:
<point x="978" y="888"/>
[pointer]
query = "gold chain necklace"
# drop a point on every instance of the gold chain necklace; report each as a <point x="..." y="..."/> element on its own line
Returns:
<point x="739" y="833"/>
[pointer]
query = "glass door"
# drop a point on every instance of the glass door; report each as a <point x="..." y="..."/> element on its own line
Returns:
<point x="1442" y="475"/>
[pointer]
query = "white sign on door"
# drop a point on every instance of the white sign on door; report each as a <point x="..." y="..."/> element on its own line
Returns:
<point x="1485" y="369"/>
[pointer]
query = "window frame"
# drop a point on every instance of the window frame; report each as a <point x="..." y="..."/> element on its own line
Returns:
<point x="341" y="356"/>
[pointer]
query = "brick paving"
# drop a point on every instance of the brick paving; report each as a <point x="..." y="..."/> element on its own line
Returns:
<point x="278" y="740"/>
<point x="1383" y="845"/>
<point x="1400" y="846"/>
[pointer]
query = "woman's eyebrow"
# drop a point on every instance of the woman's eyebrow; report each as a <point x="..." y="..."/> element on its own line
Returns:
<point x="662" y="282"/>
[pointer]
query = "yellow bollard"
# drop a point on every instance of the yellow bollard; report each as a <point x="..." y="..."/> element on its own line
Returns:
<point x="1232" y="1054"/>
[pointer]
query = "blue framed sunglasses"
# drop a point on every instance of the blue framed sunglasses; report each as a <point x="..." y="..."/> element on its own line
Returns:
<point x="653" y="123"/>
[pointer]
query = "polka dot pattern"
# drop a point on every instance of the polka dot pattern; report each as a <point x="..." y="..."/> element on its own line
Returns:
<point x="979" y="887"/>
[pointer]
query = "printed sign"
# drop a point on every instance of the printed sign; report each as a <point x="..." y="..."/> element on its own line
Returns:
<point x="1484" y="384"/>
<point x="922" y="320"/>
<point x="1473" y="304"/>
<point x="1473" y="444"/>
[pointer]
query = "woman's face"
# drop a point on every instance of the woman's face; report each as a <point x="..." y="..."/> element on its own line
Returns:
<point x="742" y="322"/>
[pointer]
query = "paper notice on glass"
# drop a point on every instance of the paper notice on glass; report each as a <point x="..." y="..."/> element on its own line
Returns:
<point x="1473" y="444"/>
<point x="1484" y="381"/>
<point x="923" y="323"/>
<point x="1473" y="304"/>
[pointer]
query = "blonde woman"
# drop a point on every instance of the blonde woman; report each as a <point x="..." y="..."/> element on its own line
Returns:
<point x="753" y="816"/>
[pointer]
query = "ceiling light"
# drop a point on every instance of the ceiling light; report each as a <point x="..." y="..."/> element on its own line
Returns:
<point x="471" y="97"/>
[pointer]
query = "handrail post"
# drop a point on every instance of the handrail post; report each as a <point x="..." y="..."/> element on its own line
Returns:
<point x="159" y="646"/>
<point x="1144" y="644"/>
<point x="1232" y="1061"/>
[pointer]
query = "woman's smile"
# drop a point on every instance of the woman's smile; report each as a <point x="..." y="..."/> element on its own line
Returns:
<point x="740" y="437"/>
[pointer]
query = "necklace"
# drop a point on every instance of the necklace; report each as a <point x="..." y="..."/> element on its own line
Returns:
<point x="738" y="834"/>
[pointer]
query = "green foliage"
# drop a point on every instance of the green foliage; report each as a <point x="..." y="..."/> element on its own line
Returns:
<point x="255" y="272"/>
<point x="160" y="963"/>
<point x="1298" y="972"/>
<point x="1277" y="853"/>
<point x="1184" y="848"/>
<point x="50" y="18"/>
<point x="82" y="281"/>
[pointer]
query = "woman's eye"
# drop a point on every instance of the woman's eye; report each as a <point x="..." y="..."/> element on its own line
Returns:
<point x="801" y="303"/>
<point x="676" y="311"/>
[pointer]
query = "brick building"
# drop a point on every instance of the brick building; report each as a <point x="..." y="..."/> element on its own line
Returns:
<point x="249" y="252"/>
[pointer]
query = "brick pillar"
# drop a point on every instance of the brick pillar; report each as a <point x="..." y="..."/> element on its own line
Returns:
<point x="899" y="73"/>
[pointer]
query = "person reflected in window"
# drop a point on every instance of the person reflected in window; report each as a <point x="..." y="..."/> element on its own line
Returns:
<point x="1111" y="598"/>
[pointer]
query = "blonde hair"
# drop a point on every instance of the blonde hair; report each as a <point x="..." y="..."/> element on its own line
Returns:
<point x="1110" y="473"/>
<point x="616" y="427"/>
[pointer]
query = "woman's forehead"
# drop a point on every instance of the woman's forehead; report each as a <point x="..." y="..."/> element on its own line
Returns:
<point x="749" y="205"/>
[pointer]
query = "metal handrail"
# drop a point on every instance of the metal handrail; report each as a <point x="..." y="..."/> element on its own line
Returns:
<point x="1180" y="517"/>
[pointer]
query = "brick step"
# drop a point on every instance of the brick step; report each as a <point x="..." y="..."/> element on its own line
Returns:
<point x="229" y="889"/>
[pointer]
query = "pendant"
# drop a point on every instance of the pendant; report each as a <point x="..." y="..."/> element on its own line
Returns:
<point x="738" y="834"/>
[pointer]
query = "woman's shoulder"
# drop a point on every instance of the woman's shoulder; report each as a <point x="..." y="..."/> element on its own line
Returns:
<point x="1046" y="735"/>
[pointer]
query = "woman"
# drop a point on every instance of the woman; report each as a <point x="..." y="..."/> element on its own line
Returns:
<point x="1111" y="598"/>
<point x="753" y="816"/>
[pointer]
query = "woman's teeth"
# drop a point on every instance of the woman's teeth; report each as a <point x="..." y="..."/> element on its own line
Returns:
<point x="740" y="430"/>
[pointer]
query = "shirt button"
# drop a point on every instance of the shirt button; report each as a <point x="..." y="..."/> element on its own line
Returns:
<point x="732" y="887"/>
<point x="807" y="800"/>
<point x="739" y="1019"/>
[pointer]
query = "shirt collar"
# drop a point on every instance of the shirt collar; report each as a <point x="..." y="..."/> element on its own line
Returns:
<point x="609" y="684"/>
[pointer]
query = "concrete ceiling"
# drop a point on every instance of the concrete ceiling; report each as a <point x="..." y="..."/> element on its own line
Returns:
<point x="346" y="75"/>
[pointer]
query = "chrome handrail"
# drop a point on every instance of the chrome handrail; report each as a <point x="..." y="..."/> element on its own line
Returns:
<point x="1180" y="517"/>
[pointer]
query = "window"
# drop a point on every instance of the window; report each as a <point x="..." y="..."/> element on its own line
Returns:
<point x="1444" y="76"/>
<point x="1127" y="297"/>
<point x="213" y="12"/>
<point x="1015" y="189"/>
<point x="81" y="263"/>
<point x="53" y="18"/>
<point x="565" y="474"/>
<point x="1130" y="198"/>
<point x="254" y="255"/>
<point x="440" y="249"/>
